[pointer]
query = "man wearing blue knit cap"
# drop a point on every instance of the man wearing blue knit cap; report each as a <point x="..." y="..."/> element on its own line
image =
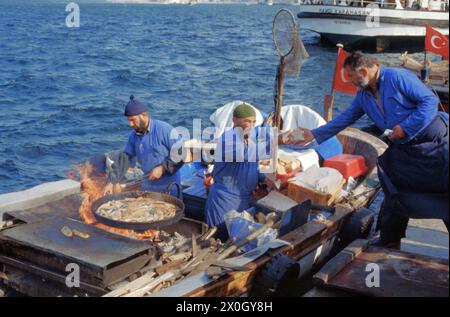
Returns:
<point x="150" y="144"/>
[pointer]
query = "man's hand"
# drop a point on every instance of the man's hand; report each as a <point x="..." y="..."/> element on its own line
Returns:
<point x="308" y="137"/>
<point x="156" y="173"/>
<point x="109" y="189"/>
<point x="259" y="192"/>
<point x="117" y="188"/>
<point x="397" y="133"/>
<point x="281" y="141"/>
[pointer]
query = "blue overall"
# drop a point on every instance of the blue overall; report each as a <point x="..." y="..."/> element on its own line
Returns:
<point x="404" y="100"/>
<point x="236" y="176"/>
<point x="415" y="177"/>
<point x="414" y="170"/>
<point x="151" y="150"/>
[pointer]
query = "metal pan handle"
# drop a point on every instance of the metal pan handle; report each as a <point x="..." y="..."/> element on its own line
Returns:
<point x="169" y="187"/>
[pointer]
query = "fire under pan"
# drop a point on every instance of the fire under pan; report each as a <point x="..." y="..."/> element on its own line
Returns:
<point x="103" y="259"/>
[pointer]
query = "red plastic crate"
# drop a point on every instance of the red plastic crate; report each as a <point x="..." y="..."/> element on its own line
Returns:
<point x="347" y="164"/>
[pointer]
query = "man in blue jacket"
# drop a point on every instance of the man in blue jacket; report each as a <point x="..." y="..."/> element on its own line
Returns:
<point x="414" y="170"/>
<point x="152" y="144"/>
<point x="236" y="172"/>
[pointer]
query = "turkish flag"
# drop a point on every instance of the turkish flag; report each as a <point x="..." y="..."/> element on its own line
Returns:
<point x="436" y="42"/>
<point x="341" y="81"/>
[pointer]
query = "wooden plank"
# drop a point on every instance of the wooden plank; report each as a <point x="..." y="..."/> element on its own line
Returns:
<point x="327" y="292"/>
<point x="335" y="265"/>
<point x="180" y="256"/>
<point x="189" y="267"/>
<point x="170" y="266"/>
<point x="132" y="286"/>
<point x="212" y="231"/>
<point x="313" y="232"/>
<point x="216" y="257"/>
<point x="376" y="254"/>
<point x="328" y="107"/>
<point x="300" y="194"/>
<point x="153" y="284"/>
<point x="232" y="284"/>
<point x="194" y="246"/>
<point x="401" y="274"/>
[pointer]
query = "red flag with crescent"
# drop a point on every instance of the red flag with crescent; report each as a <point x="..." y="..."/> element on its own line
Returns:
<point x="341" y="81"/>
<point x="436" y="42"/>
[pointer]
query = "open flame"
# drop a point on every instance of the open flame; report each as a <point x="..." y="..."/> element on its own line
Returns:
<point x="93" y="189"/>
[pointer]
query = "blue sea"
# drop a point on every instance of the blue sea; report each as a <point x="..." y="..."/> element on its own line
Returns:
<point x="62" y="90"/>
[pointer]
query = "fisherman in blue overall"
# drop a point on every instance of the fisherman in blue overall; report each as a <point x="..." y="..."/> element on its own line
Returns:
<point x="151" y="144"/>
<point x="236" y="173"/>
<point x="413" y="171"/>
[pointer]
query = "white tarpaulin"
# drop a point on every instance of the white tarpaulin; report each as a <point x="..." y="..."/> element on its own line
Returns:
<point x="298" y="116"/>
<point x="294" y="116"/>
<point x="323" y="179"/>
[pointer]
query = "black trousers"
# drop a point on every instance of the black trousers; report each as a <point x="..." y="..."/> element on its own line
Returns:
<point x="393" y="223"/>
<point x="415" y="180"/>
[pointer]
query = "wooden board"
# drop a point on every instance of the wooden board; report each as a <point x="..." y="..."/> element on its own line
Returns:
<point x="301" y="193"/>
<point x="335" y="265"/>
<point x="401" y="274"/>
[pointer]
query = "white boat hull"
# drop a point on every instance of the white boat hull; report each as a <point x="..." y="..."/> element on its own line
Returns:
<point x="354" y="25"/>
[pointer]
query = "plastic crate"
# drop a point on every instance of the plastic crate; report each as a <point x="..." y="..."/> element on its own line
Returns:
<point x="347" y="164"/>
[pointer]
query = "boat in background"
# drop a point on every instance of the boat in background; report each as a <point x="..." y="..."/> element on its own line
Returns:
<point x="374" y="25"/>
<point x="437" y="79"/>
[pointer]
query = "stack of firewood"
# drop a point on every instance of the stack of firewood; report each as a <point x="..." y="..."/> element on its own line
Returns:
<point x="198" y="254"/>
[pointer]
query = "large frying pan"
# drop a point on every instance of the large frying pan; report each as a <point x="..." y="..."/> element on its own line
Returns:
<point x="141" y="226"/>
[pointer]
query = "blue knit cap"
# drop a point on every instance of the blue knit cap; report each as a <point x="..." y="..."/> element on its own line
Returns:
<point x="134" y="107"/>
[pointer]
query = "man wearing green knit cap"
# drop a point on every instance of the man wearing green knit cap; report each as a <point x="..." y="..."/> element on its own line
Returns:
<point x="244" y="111"/>
<point x="236" y="173"/>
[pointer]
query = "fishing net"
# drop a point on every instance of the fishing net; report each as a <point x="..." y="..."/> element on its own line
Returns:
<point x="288" y="42"/>
<point x="292" y="53"/>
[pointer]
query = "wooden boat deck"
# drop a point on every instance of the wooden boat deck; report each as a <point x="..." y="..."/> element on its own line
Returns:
<point x="362" y="270"/>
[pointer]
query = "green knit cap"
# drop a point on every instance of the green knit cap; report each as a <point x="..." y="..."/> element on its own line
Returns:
<point x="244" y="111"/>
